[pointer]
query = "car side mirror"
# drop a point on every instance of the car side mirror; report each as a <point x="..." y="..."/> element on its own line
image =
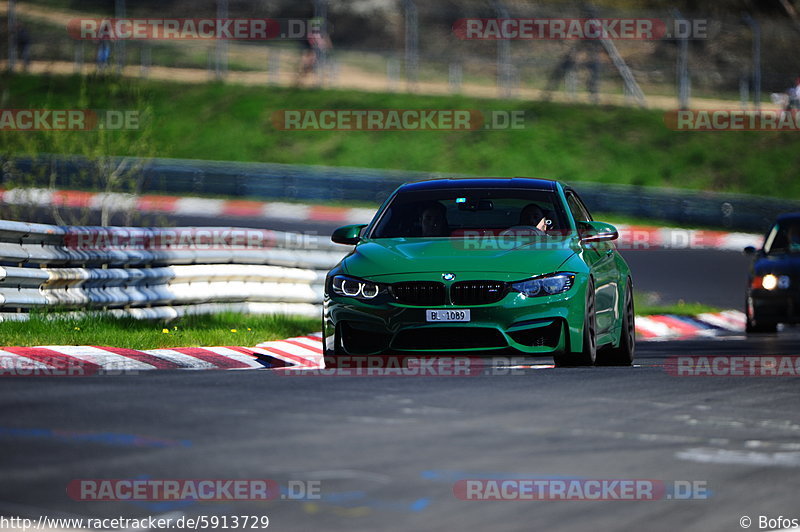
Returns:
<point x="349" y="234"/>
<point x="597" y="232"/>
<point x="750" y="250"/>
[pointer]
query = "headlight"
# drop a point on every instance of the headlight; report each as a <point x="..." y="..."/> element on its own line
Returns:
<point x="546" y="285"/>
<point x="771" y="282"/>
<point x="352" y="287"/>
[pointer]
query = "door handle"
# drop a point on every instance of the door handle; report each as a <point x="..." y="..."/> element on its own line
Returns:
<point x="609" y="252"/>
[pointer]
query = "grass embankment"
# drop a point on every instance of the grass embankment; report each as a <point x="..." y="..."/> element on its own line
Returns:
<point x="643" y="308"/>
<point x="189" y="331"/>
<point x="569" y="142"/>
<point x="196" y="331"/>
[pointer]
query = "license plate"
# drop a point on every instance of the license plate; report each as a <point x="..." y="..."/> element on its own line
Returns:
<point x="447" y="315"/>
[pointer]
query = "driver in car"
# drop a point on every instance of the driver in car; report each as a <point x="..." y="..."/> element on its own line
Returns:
<point x="533" y="222"/>
<point x="533" y="215"/>
<point x="433" y="220"/>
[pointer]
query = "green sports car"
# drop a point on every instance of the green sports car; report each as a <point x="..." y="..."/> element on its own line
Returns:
<point x="481" y="266"/>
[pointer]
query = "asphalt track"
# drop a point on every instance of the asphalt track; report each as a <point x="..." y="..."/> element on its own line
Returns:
<point x="388" y="450"/>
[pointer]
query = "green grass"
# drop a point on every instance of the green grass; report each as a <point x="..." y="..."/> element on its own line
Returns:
<point x="569" y="142"/>
<point x="189" y="331"/>
<point x="216" y="330"/>
<point x="645" y="306"/>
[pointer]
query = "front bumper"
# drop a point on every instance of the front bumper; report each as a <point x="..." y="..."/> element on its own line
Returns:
<point x="519" y="324"/>
<point x="780" y="306"/>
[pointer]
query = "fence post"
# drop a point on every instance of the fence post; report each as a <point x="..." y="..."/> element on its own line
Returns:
<point x="744" y="91"/>
<point x="12" y="35"/>
<point x="756" y="29"/>
<point x="119" y="44"/>
<point x="682" y="67"/>
<point x="78" y="57"/>
<point x="455" y="77"/>
<point x="392" y="73"/>
<point x="221" y="65"/>
<point x="411" y="44"/>
<point x="145" y="59"/>
<point x="321" y="65"/>
<point x="503" y="55"/>
<point x="273" y="65"/>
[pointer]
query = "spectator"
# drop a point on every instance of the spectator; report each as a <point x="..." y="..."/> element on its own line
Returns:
<point x="794" y="95"/>
<point x="103" y="54"/>
<point x="315" y="46"/>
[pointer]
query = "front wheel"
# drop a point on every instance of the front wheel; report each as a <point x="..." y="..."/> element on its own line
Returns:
<point x="588" y="353"/>
<point x="622" y="355"/>
<point x="756" y="326"/>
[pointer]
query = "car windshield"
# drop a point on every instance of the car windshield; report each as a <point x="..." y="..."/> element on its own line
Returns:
<point x="783" y="238"/>
<point x="446" y="213"/>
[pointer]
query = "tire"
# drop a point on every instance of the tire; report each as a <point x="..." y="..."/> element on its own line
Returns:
<point x="623" y="354"/>
<point x="756" y="326"/>
<point x="587" y="356"/>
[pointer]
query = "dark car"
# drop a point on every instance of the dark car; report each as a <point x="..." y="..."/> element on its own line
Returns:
<point x="773" y="285"/>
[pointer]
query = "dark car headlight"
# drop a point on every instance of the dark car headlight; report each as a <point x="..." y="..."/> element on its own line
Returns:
<point x="545" y="285"/>
<point x="344" y="285"/>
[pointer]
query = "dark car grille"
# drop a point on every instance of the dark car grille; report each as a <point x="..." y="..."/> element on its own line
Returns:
<point x="449" y="338"/>
<point x="547" y="336"/>
<point x="477" y="292"/>
<point x="423" y="293"/>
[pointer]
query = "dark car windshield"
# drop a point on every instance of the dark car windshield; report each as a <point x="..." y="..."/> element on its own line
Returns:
<point x="784" y="237"/>
<point x="448" y="213"/>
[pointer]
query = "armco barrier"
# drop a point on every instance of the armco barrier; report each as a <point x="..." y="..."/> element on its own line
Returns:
<point x="161" y="272"/>
<point x="315" y="184"/>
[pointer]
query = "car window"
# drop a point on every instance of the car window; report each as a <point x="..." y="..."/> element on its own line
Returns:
<point x="783" y="238"/>
<point x="449" y="212"/>
<point x="577" y="208"/>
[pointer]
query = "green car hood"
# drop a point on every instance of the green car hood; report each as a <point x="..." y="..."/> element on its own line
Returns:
<point x="393" y="256"/>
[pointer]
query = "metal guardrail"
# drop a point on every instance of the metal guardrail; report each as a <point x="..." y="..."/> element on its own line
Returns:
<point x="739" y="212"/>
<point x="160" y="272"/>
